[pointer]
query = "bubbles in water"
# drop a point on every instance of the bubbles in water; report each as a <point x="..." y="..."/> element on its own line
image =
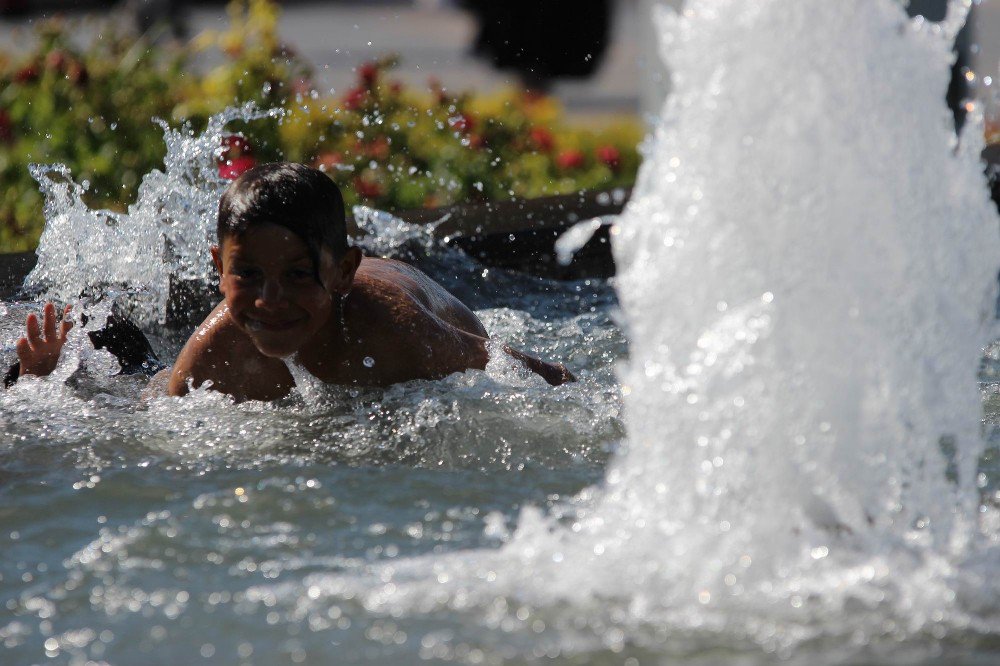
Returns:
<point x="369" y="362"/>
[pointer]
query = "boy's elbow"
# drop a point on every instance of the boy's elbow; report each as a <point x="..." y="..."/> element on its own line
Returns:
<point x="178" y="383"/>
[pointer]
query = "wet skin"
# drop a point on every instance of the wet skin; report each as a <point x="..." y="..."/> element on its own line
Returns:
<point x="38" y="351"/>
<point x="365" y="321"/>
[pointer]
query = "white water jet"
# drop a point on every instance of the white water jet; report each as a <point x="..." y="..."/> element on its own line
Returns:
<point x="807" y="275"/>
<point x="809" y="270"/>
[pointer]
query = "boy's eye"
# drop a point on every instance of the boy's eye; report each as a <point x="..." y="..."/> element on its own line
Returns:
<point x="299" y="274"/>
<point x="244" y="273"/>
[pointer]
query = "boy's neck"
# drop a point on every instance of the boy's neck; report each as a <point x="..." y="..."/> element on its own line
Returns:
<point x="324" y="353"/>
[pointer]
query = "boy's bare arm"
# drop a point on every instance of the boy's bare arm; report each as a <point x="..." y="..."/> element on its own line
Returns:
<point x="553" y="373"/>
<point x="447" y="349"/>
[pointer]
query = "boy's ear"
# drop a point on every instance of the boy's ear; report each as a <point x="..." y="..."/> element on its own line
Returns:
<point x="346" y="268"/>
<point x="217" y="260"/>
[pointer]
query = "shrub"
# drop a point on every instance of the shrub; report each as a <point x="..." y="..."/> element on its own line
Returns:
<point x="389" y="146"/>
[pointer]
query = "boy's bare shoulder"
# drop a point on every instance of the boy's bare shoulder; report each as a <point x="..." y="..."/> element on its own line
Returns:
<point x="219" y="352"/>
<point x="403" y="294"/>
<point x="405" y="329"/>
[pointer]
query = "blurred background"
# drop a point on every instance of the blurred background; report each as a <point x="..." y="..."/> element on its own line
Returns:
<point x="406" y="103"/>
<point x="439" y="38"/>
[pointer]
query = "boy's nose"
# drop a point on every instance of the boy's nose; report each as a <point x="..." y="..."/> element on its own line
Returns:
<point x="271" y="294"/>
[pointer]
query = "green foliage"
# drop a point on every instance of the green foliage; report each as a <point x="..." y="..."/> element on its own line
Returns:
<point x="88" y="108"/>
<point x="92" y="107"/>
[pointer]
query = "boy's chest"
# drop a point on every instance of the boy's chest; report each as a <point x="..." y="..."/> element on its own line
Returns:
<point x="361" y="362"/>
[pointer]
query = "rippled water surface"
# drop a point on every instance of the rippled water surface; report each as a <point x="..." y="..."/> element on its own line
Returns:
<point x="189" y="528"/>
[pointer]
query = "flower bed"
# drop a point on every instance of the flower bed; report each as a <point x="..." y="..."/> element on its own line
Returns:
<point x="387" y="145"/>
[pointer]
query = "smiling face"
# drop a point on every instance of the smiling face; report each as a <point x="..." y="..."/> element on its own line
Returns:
<point x="269" y="284"/>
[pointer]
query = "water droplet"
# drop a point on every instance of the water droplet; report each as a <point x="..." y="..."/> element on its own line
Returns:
<point x="369" y="362"/>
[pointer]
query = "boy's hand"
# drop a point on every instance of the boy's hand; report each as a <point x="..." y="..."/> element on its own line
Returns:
<point x="39" y="353"/>
<point x="553" y="373"/>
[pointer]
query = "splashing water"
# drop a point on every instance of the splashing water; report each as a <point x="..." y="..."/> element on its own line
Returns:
<point x="807" y="274"/>
<point x="805" y="422"/>
<point x="165" y="234"/>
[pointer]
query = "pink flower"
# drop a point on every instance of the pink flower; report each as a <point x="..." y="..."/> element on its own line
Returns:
<point x="26" y="74"/>
<point x="55" y="60"/>
<point x="476" y="141"/>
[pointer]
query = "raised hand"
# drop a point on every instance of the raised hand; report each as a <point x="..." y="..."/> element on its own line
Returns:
<point x="39" y="351"/>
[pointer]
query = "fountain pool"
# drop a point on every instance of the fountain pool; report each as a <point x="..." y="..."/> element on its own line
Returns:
<point x="788" y="463"/>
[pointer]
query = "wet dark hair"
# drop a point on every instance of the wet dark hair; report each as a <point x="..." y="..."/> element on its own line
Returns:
<point x="301" y="199"/>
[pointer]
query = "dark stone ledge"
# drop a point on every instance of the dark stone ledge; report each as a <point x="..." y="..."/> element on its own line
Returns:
<point x="517" y="235"/>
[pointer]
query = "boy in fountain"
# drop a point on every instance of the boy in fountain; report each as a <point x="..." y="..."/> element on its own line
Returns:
<point x="293" y="287"/>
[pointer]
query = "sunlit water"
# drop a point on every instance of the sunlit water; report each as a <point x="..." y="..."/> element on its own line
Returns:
<point x="807" y="280"/>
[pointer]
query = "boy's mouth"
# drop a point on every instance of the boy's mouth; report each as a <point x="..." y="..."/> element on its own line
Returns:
<point x="270" y="324"/>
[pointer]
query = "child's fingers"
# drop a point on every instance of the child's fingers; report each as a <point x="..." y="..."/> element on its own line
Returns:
<point x="67" y="323"/>
<point x="49" y="321"/>
<point x="34" y="330"/>
<point x="23" y="349"/>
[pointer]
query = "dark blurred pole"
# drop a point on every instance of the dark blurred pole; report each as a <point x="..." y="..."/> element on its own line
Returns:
<point x="542" y="40"/>
<point x="959" y="89"/>
<point x="150" y="14"/>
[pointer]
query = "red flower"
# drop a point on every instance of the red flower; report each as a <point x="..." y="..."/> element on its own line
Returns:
<point x="6" y="128"/>
<point x="542" y="139"/>
<point x="570" y="159"/>
<point x="476" y="141"/>
<point x="328" y="161"/>
<point x="367" y="189"/>
<point x="609" y="155"/>
<point x="378" y="148"/>
<point x="233" y="169"/>
<point x="77" y="73"/>
<point x="354" y="98"/>
<point x="55" y="60"/>
<point x="462" y="122"/>
<point x="368" y="75"/>
<point x="26" y="74"/>
<point x="235" y="157"/>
